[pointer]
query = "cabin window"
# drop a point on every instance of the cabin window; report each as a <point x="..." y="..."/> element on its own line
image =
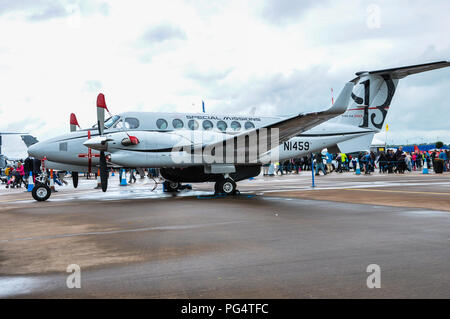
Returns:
<point x="193" y="124"/>
<point x="131" y="122"/>
<point x="207" y="125"/>
<point x="221" y="125"/>
<point x="235" y="125"/>
<point x="177" y="123"/>
<point x="249" y="125"/>
<point x="63" y="147"/>
<point x="161" y="124"/>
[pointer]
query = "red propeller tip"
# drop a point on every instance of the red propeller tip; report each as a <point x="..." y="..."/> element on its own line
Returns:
<point x="101" y="101"/>
<point x="73" y="120"/>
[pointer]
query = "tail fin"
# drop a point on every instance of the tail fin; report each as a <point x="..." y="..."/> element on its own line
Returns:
<point x="373" y="93"/>
<point x="29" y="140"/>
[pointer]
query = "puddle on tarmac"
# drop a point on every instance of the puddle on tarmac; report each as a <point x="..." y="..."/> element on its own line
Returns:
<point x="13" y="286"/>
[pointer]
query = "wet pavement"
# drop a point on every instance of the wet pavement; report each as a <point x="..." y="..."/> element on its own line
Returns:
<point x="279" y="239"/>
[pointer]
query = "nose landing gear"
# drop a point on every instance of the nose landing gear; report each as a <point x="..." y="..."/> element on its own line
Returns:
<point x="41" y="192"/>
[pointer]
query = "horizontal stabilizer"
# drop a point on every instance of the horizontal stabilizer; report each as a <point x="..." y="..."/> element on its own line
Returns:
<point x="401" y="72"/>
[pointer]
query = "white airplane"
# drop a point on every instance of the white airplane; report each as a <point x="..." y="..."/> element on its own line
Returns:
<point x="223" y="148"/>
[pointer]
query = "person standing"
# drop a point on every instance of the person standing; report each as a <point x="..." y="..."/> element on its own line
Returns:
<point x="266" y="169"/>
<point x="320" y="164"/>
<point x="443" y="156"/>
<point x="132" y="177"/>
<point x="329" y="159"/>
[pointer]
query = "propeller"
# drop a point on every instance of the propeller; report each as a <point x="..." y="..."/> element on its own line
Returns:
<point x="100" y="142"/>
<point x="73" y="128"/>
<point x="101" y="107"/>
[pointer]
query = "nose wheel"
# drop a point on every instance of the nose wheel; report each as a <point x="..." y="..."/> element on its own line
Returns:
<point x="41" y="192"/>
<point x="226" y="186"/>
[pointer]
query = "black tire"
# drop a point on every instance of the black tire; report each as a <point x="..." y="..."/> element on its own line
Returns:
<point x="171" y="186"/>
<point x="226" y="186"/>
<point x="75" y="179"/>
<point x="41" y="192"/>
<point x="103" y="172"/>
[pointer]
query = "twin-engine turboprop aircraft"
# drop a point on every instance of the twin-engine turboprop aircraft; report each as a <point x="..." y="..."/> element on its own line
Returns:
<point x="222" y="148"/>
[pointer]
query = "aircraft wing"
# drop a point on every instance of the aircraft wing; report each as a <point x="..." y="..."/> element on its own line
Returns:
<point x="294" y="125"/>
<point x="303" y="122"/>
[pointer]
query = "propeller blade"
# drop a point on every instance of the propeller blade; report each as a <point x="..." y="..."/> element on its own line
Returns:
<point x="101" y="107"/>
<point x="103" y="171"/>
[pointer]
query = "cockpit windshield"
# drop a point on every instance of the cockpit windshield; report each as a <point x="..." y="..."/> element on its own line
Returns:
<point x="110" y="121"/>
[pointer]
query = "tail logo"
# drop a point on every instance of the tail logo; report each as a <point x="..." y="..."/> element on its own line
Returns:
<point x="364" y="102"/>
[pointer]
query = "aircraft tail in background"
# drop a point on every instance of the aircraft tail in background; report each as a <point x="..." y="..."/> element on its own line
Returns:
<point x="29" y="140"/>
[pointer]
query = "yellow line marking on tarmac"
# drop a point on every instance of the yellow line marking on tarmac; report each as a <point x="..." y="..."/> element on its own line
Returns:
<point x="393" y="191"/>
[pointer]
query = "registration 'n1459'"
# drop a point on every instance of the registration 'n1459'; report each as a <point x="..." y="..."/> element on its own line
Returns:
<point x="295" y="146"/>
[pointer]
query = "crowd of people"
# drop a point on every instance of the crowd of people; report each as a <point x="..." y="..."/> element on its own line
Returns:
<point x="15" y="175"/>
<point x="392" y="161"/>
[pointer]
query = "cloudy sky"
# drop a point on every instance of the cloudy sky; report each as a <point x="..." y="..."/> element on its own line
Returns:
<point x="268" y="57"/>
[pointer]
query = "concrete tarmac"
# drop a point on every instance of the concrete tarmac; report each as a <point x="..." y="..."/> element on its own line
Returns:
<point x="279" y="239"/>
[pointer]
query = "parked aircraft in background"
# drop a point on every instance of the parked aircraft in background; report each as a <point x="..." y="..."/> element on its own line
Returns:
<point x="14" y="151"/>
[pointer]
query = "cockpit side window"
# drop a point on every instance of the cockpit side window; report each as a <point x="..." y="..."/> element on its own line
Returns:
<point x="110" y="122"/>
<point x="131" y="122"/>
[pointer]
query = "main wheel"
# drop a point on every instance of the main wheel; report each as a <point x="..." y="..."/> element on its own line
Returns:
<point x="171" y="186"/>
<point x="226" y="186"/>
<point x="41" y="192"/>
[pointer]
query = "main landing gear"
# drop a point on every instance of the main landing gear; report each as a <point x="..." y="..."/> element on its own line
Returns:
<point x="170" y="187"/>
<point x="225" y="186"/>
